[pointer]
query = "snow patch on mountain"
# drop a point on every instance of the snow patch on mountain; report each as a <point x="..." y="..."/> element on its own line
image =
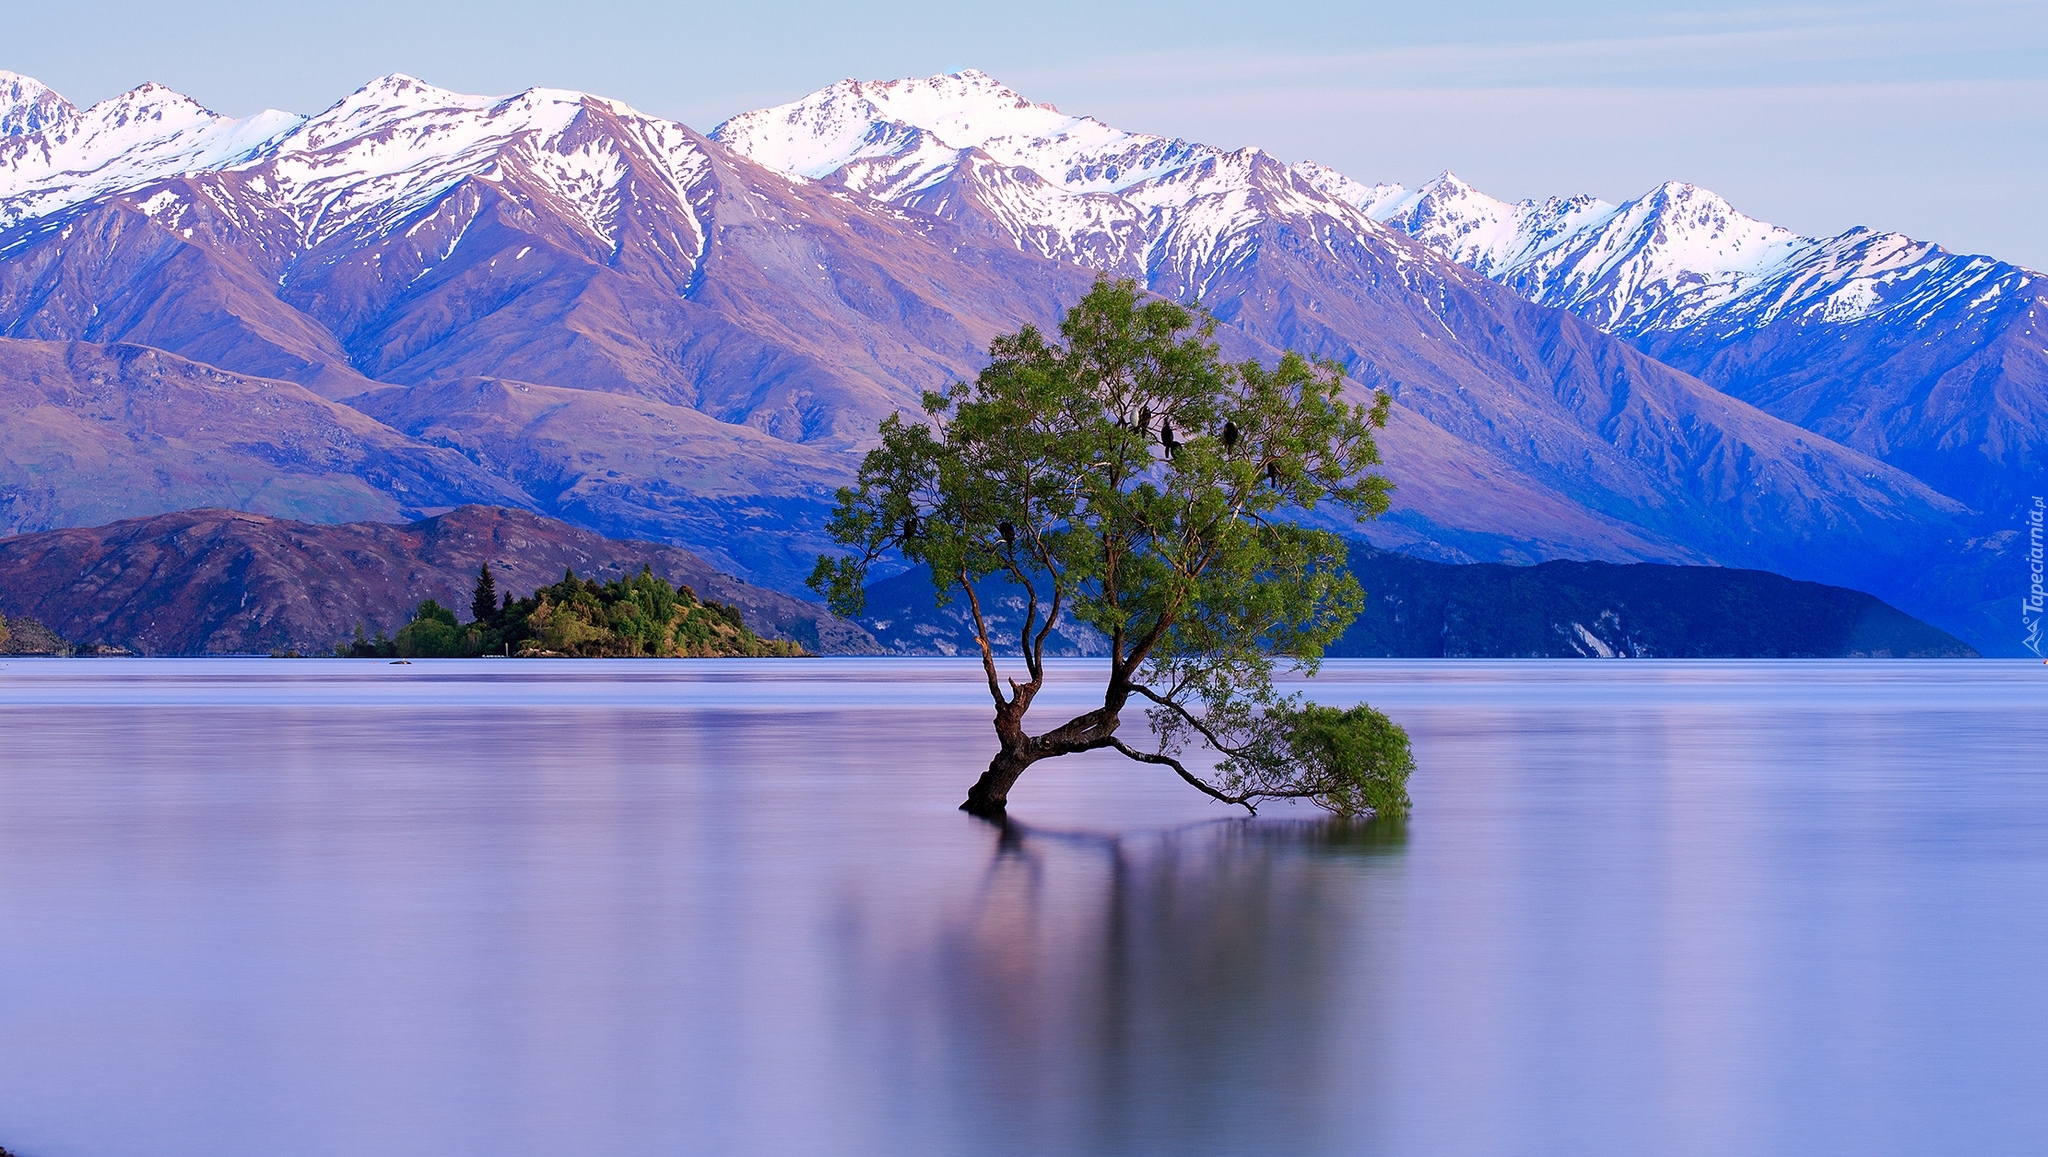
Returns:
<point x="396" y="145"/>
<point x="964" y="146"/>
<point x="1676" y="258"/>
<point x="1367" y="199"/>
<point x="934" y="118"/>
<point x="1476" y="230"/>
<point x="390" y="152"/>
<point x="121" y="143"/>
<point x="29" y="106"/>
<point x="381" y="155"/>
<point x="1864" y="274"/>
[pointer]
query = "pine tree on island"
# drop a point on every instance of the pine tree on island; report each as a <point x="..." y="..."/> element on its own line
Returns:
<point x="1126" y="476"/>
<point x="483" y="605"/>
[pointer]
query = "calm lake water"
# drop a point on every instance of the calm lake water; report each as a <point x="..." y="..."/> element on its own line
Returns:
<point x="257" y="908"/>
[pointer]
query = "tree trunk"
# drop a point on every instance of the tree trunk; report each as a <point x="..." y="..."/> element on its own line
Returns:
<point x="990" y="794"/>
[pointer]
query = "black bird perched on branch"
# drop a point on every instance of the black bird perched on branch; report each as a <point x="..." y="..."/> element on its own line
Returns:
<point x="1229" y="434"/>
<point x="1166" y="437"/>
<point x="910" y="527"/>
<point x="1008" y="531"/>
<point x="1145" y="420"/>
<point x="1273" y="473"/>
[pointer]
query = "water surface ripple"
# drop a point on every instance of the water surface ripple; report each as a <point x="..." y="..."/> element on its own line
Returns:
<point x="258" y="908"/>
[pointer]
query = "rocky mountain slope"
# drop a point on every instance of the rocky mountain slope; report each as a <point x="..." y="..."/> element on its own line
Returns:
<point x="1932" y="361"/>
<point x="91" y="433"/>
<point x="226" y="582"/>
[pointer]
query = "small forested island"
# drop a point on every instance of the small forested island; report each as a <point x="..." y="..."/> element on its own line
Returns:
<point x="640" y="617"/>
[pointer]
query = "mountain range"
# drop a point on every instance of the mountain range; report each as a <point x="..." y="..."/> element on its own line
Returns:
<point x="417" y="299"/>
<point x="1932" y="361"/>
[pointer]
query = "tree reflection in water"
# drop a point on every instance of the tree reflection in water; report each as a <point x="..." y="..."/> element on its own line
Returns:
<point x="1171" y="991"/>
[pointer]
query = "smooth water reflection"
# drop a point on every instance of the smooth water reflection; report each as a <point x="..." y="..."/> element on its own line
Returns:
<point x="267" y="908"/>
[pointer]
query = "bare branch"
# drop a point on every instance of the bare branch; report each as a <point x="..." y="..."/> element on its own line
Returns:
<point x="1030" y="614"/>
<point x="1034" y="648"/>
<point x="988" y="655"/>
<point x="1200" y="784"/>
<point x="1052" y="618"/>
<point x="1188" y="717"/>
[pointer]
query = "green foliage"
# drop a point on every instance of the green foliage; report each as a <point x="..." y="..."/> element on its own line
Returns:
<point x="640" y="616"/>
<point x="431" y="633"/>
<point x="637" y="617"/>
<point x="1350" y="762"/>
<point x="364" y="647"/>
<point x="1127" y="476"/>
<point x="3" y="630"/>
<point x="434" y="634"/>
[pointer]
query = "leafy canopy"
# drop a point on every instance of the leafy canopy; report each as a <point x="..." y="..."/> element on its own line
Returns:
<point x="1127" y="476"/>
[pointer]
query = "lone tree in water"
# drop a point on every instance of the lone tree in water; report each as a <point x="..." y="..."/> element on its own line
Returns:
<point x="1128" y="477"/>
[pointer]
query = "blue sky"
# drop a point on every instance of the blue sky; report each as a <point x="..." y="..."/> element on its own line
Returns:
<point x="1929" y="119"/>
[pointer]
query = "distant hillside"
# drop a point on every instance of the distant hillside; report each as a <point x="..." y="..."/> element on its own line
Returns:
<point x="1557" y="610"/>
<point x="223" y="582"/>
<point x="902" y="614"/>
<point x="93" y="433"/>
<point x="25" y="636"/>
<point x="1418" y="609"/>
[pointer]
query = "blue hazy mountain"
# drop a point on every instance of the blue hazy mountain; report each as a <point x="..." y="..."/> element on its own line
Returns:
<point x="1418" y="609"/>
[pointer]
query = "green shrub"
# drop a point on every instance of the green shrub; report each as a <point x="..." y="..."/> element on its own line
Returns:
<point x="1350" y="761"/>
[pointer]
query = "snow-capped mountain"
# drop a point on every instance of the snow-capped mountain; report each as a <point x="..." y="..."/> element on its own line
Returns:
<point x="630" y="321"/>
<point x="1290" y="256"/>
<point x="966" y="147"/>
<point x="376" y="158"/>
<point x="651" y="332"/>
<point x="390" y="149"/>
<point x="1934" y="361"/>
<point x="405" y="200"/>
<point x="1677" y="258"/>
<point x="53" y="156"/>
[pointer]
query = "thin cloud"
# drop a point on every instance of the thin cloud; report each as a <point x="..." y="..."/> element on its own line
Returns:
<point x="1946" y="161"/>
<point x="1737" y="50"/>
